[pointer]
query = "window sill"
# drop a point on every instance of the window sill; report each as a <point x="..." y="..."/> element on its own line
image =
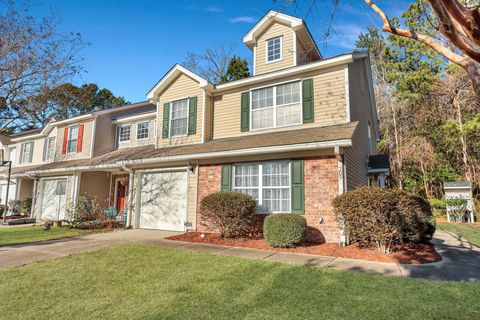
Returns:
<point x="273" y="61"/>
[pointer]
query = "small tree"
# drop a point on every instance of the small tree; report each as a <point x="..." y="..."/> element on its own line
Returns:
<point x="458" y="207"/>
<point x="237" y="69"/>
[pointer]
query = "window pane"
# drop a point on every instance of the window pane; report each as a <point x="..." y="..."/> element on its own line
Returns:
<point x="288" y="93"/>
<point x="275" y="174"/>
<point x="251" y="192"/>
<point x="179" y="120"/>
<point x="73" y="132"/>
<point x="262" y="98"/>
<point x="124" y="133"/>
<point x="288" y="115"/>
<point x="276" y="200"/>
<point x="246" y="175"/>
<point x="273" y="49"/>
<point x="142" y="130"/>
<point x="262" y="118"/>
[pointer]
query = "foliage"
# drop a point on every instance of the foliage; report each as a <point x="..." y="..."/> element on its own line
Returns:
<point x="27" y="205"/>
<point x="230" y="213"/>
<point x="458" y="208"/>
<point x="284" y="230"/>
<point x="383" y="217"/>
<point x="237" y="69"/>
<point x="88" y="213"/>
<point x="439" y="207"/>
<point x="15" y="207"/>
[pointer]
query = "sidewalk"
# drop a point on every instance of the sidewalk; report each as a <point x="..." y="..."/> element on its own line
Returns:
<point x="461" y="260"/>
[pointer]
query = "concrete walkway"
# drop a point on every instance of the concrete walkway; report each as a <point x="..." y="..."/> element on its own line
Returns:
<point x="461" y="260"/>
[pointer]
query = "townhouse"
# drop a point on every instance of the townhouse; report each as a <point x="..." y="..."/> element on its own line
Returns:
<point x="299" y="131"/>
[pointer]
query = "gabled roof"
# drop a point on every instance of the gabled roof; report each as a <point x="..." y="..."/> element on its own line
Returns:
<point x="172" y="75"/>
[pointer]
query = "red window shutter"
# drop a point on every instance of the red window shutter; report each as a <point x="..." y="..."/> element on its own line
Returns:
<point x="80" y="138"/>
<point x="65" y="140"/>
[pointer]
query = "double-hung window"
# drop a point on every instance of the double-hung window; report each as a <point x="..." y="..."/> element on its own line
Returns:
<point x="179" y="118"/>
<point x="274" y="49"/>
<point x="49" y="151"/>
<point x="276" y="106"/>
<point x="267" y="182"/>
<point x="124" y="133"/>
<point x="142" y="130"/>
<point x="72" y="141"/>
<point x="26" y="152"/>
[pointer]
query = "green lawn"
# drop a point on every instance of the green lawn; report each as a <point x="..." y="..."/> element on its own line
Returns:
<point x="468" y="232"/>
<point x="16" y="235"/>
<point x="142" y="281"/>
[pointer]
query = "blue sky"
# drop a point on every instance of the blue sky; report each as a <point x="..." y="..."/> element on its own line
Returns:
<point x="133" y="43"/>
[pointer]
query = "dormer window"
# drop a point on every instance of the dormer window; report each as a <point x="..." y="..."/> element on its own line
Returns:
<point x="274" y="49"/>
<point x="124" y="133"/>
<point x="72" y="143"/>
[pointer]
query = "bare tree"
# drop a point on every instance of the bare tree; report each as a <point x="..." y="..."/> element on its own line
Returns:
<point x="34" y="57"/>
<point x="212" y="64"/>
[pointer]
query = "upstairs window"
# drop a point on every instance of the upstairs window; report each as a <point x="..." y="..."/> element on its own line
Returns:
<point x="26" y="152"/>
<point x="72" y="141"/>
<point x="124" y="133"/>
<point x="142" y="130"/>
<point x="179" y="118"/>
<point x="274" y="49"/>
<point x="276" y="106"/>
<point x="49" y="152"/>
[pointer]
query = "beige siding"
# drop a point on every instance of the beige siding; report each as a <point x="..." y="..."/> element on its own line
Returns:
<point x="37" y="157"/>
<point x="26" y="189"/>
<point x="96" y="185"/>
<point x="133" y="134"/>
<point x="288" y="51"/>
<point x="209" y="118"/>
<point x="329" y="104"/>
<point x="361" y="111"/>
<point x="182" y="87"/>
<point x="86" y="146"/>
<point x="104" y="135"/>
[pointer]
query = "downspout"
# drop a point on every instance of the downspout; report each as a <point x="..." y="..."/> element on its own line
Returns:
<point x="130" y="191"/>
<point x="34" y="195"/>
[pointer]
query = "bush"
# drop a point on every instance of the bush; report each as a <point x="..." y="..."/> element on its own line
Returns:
<point x="284" y="230"/>
<point x="439" y="207"/>
<point x="230" y="213"/>
<point x="27" y="206"/>
<point x="384" y="217"/>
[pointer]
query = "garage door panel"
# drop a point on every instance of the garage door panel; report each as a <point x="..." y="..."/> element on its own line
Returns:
<point x="163" y="200"/>
<point x="53" y="199"/>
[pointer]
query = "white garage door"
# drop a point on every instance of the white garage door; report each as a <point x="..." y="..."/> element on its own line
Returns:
<point x="53" y="199"/>
<point x="163" y="200"/>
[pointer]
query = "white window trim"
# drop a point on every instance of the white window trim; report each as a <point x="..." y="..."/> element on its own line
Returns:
<point x="68" y="138"/>
<point x="170" y="118"/>
<point x="274" y="107"/>
<point x="260" y="186"/>
<point x="281" y="50"/>
<point x="129" y="136"/>
<point x="136" y="131"/>
<point x="22" y="152"/>
<point x="54" y="148"/>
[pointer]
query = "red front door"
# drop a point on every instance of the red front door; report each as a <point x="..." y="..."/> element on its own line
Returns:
<point x="121" y="196"/>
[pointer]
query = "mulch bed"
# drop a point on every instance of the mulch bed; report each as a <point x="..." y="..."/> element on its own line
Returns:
<point x="408" y="254"/>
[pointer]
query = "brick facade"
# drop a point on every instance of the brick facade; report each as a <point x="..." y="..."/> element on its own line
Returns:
<point x="321" y="186"/>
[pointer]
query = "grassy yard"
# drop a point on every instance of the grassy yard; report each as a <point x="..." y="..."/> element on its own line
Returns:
<point x="468" y="232"/>
<point x="16" y="235"/>
<point x="141" y="281"/>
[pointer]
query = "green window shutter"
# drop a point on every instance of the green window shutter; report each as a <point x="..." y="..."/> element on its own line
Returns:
<point x="192" y="115"/>
<point x="307" y="99"/>
<point x="166" y="120"/>
<point x="226" y="182"/>
<point x="298" y="193"/>
<point x="245" y="112"/>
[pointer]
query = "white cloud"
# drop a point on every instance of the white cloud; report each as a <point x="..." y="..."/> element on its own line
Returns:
<point x="213" y="9"/>
<point x="247" y="19"/>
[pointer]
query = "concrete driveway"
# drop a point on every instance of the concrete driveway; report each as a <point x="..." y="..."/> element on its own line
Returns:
<point x="21" y="254"/>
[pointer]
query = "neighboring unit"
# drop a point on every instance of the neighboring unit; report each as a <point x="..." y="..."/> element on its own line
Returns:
<point x="294" y="135"/>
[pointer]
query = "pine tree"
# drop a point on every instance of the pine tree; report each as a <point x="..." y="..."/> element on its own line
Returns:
<point x="237" y="69"/>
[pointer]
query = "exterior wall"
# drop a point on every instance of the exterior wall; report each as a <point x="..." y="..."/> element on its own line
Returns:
<point x="183" y="87"/>
<point x="104" y="135"/>
<point x="86" y="144"/>
<point x="208" y="118"/>
<point x="96" y="184"/>
<point x="288" y="51"/>
<point x="321" y="187"/>
<point x="330" y="103"/>
<point x="361" y="111"/>
<point x="37" y="211"/>
<point x="133" y="134"/>
<point x="37" y="158"/>
<point x="26" y="189"/>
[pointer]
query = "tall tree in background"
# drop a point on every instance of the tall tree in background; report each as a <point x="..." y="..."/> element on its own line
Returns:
<point x="237" y="69"/>
<point x="66" y="101"/>
<point x="212" y="64"/>
<point x="34" y="58"/>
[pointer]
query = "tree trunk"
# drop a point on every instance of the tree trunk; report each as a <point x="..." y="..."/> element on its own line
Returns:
<point x="473" y="70"/>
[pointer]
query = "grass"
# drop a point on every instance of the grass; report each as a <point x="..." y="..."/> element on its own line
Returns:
<point x="144" y="281"/>
<point x="17" y="235"/>
<point x="468" y="232"/>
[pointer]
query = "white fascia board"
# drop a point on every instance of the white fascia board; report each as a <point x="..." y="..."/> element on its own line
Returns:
<point x="176" y="70"/>
<point x="245" y="152"/>
<point x="271" y="15"/>
<point x="73" y="169"/>
<point x="135" y="118"/>
<point x="322" y="64"/>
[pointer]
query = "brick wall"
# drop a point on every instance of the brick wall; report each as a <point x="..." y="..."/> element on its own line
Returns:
<point x="321" y="186"/>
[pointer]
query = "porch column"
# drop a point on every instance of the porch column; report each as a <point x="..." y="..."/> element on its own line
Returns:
<point x="34" y="197"/>
<point x="381" y="180"/>
<point x="76" y="186"/>
<point x="131" y="182"/>
<point x="341" y="190"/>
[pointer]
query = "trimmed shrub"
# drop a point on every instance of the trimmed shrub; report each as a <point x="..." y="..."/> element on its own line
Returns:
<point x="230" y="213"/>
<point x="384" y="217"/>
<point x="284" y="230"/>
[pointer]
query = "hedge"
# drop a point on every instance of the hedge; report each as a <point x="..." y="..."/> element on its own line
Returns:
<point x="284" y="230"/>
